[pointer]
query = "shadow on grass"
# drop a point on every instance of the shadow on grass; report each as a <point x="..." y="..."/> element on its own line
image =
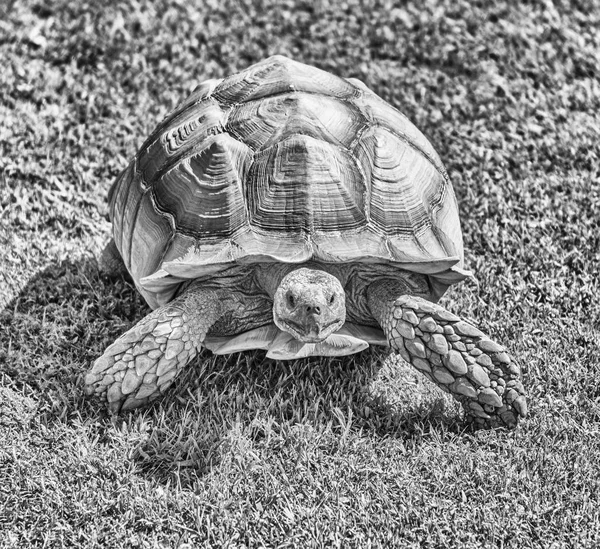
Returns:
<point x="67" y="314"/>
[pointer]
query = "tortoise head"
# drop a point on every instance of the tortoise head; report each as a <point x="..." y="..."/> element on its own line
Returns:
<point x="310" y="305"/>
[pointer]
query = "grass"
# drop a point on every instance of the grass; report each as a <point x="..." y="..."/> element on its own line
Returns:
<point x="244" y="452"/>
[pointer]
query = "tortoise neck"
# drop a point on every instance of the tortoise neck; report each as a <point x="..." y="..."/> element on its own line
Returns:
<point x="270" y="275"/>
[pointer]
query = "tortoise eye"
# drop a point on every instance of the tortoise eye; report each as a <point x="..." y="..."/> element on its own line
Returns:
<point x="332" y="299"/>
<point x="291" y="301"/>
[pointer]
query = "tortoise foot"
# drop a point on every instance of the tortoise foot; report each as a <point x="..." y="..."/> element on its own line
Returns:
<point x="459" y="358"/>
<point x="143" y="362"/>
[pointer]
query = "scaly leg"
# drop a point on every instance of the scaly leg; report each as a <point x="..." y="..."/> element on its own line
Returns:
<point x="143" y="362"/>
<point x="110" y="262"/>
<point x="452" y="353"/>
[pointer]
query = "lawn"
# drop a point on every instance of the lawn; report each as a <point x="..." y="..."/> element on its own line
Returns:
<point x="248" y="452"/>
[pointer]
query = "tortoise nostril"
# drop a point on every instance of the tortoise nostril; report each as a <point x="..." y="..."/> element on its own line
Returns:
<point x="315" y="309"/>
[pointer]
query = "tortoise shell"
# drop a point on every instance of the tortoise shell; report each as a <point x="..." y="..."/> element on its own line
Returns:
<point x="283" y="162"/>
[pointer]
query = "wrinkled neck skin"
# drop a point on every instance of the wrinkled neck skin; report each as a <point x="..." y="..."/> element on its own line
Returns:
<point x="253" y="287"/>
<point x="355" y="278"/>
<point x="269" y="275"/>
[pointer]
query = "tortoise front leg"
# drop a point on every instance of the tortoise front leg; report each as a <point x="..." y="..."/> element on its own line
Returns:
<point x="143" y="362"/>
<point x="452" y="353"/>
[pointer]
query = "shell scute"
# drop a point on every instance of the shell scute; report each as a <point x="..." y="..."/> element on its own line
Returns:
<point x="381" y="113"/>
<point x="178" y="137"/>
<point x="204" y="192"/>
<point x="118" y="198"/>
<point x="278" y="75"/>
<point x="126" y="195"/>
<point x="263" y="123"/>
<point x="306" y="187"/>
<point x="149" y="233"/>
<point x="403" y="183"/>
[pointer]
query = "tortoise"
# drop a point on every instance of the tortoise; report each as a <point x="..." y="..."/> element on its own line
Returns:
<point x="287" y="209"/>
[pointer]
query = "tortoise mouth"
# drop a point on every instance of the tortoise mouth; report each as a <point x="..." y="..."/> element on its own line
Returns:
<point x="312" y="333"/>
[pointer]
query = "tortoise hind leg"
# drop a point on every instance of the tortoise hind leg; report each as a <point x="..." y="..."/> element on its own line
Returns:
<point x="452" y="353"/>
<point x="143" y="362"/>
<point x="110" y="262"/>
